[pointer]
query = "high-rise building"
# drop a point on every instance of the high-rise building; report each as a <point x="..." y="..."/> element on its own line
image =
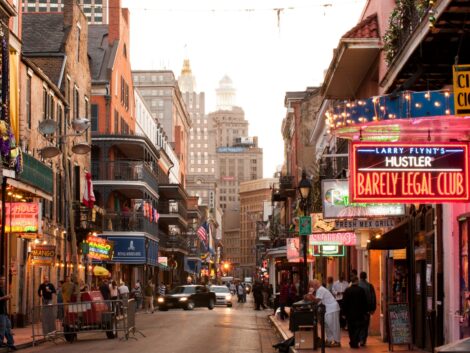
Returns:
<point x="162" y="94"/>
<point x="239" y="159"/>
<point x="96" y="11"/>
<point x="202" y="163"/>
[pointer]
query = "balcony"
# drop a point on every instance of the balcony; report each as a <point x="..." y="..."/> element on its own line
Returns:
<point x="174" y="243"/>
<point x="37" y="174"/>
<point x="125" y="171"/>
<point x="173" y="212"/>
<point x="128" y="222"/>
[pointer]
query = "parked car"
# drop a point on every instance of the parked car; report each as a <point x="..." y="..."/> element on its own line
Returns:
<point x="222" y="295"/>
<point x="187" y="297"/>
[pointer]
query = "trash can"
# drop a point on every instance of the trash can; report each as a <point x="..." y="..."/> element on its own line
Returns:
<point x="302" y="313"/>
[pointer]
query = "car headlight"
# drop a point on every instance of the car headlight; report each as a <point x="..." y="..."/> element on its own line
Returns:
<point x="161" y="300"/>
<point x="228" y="297"/>
<point x="183" y="299"/>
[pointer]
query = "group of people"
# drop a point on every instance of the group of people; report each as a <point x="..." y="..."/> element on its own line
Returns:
<point x="262" y="292"/>
<point x="347" y="304"/>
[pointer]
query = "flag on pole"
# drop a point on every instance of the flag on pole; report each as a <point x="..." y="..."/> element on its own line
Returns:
<point x="202" y="233"/>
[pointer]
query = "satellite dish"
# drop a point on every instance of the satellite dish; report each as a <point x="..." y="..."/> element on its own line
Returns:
<point x="81" y="148"/>
<point x="50" y="152"/>
<point x="47" y="127"/>
<point x="80" y="125"/>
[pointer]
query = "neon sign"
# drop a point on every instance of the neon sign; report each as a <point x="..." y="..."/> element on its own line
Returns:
<point x="336" y="250"/>
<point x="22" y="217"/>
<point x="409" y="172"/>
<point x="342" y="238"/>
<point x="99" y="248"/>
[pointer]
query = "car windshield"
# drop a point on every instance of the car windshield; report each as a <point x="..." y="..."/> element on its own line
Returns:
<point x="219" y="289"/>
<point x="182" y="290"/>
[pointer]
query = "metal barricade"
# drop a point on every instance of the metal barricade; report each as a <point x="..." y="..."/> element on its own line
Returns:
<point x="65" y="321"/>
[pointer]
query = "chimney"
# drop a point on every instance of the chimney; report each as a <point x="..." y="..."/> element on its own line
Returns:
<point x="114" y="16"/>
<point x="68" y="11"/>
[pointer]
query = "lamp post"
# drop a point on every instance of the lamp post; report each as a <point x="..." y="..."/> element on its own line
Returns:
<point x="304" y="190"/>
<point x="48" y="129"/>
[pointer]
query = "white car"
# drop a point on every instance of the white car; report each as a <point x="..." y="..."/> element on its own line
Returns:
<point x="222" y="295"/>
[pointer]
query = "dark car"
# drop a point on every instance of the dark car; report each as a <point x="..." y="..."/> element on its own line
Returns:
<point x="187" y="298"/>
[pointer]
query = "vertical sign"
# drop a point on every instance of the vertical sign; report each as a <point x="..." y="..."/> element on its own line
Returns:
<point x="305" y="225"/>
<point x="462" y="89"/>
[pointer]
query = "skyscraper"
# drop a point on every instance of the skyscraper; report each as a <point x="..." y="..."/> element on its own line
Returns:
<point x="202" y="166"/>
<point x="96" y="11"/>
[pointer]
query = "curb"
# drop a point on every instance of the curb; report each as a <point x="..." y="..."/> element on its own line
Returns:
<point x="281" y="332"/>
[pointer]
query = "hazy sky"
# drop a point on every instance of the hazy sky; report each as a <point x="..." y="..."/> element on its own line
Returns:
<point x="265" y="51"/>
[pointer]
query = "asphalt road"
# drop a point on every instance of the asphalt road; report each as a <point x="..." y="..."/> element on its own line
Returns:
<point x="226" y="330"/>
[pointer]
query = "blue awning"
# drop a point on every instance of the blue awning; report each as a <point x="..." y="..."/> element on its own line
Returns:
<point x="192" y="265"/>
<point x="138" y="250"/>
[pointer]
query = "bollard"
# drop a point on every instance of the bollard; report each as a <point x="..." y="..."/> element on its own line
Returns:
<point x="321" y="312"/>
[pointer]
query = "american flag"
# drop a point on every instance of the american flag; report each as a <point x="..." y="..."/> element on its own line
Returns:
<point x="202" y="232"/>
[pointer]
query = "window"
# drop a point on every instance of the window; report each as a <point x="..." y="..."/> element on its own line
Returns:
<point x="28" y="101"/>
<point x="87" y="116"/>
<point x="76" y="103"/>
<point x="116" y="122"/>
<point x="78" y="41"/>
<point x="44" y="103"/>
<point x="60" y="119"/>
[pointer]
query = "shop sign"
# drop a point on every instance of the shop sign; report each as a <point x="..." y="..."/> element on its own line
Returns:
<point x="409" y="172"/>
<point x="129" y="250"/>
<point x="364" y="223"/>
<point x="43" y="254"/>
<point x="336" y="203"/>
<point x="22" y="217"/>
<point x="99" y="248"/>
<point x="295" y="250"/>
<point x="343" y="238"/>
<point x="462" y="89"/>
<point x="334" y="250"/>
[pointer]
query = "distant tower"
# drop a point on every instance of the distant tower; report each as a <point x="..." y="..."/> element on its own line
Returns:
<point x="187" y="81"/>
<point x="226" y="94"/>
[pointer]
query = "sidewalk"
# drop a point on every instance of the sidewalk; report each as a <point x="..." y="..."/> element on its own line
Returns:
<point x="23" y="338"/>
<point x="374" y="343"/>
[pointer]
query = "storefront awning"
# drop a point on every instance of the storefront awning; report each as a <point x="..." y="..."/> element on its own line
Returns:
<point x="396" y="238"/>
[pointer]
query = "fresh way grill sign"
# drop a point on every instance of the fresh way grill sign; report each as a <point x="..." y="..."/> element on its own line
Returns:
<point x="409" y="172"/>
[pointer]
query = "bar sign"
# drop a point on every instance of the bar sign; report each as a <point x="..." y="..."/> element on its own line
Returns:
<point x="462" y="89"/>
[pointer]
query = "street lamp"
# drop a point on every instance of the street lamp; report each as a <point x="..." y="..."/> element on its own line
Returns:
<point x="48" y="129"/>
<point x="304" y="190"/>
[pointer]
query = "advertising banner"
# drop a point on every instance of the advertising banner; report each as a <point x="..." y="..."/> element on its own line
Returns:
<point x="343" y="238"/>
<point x="43" y="254"/>
<point x="409" y="172"/>
<point x="337" y="203"/>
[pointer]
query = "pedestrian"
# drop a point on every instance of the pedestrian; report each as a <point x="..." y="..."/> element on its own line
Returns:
<point x="68" y="291"/>
<point x="104" y="289"/>
<point x="371" y="305"/>
<point x="329" y="284"/>
<point x="240" y="291"/>
<point x="353" y="274"/>
<point x="5" y="323"/>
<point x="283" y="299"/>
<point x="258" y="295"/>
<point x="45" y="291"/>
<point x="123" y="291"/>
<point x="265" y="293"/>
<point x="355" y="307"/>
<point x="292" y="294"/>
<point x="113" y="290"/>
<point x="320" y="294"/>
<point x="60" y="301"/>
<point x="137" y="294"/>
<point x="338" y="290"/>
<point x="148" y="292"/>
<point x="233" y="288"/>
<point x="162" y="289"/>
<point x="244" y="287"/>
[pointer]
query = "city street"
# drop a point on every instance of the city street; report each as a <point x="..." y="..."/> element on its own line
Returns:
<point x="228" y="330"/>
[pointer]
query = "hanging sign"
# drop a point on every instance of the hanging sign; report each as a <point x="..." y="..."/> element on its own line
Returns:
<point x="305" y="225"/>
<point x="43" y="254"/>
<point x="343" y="238"/>
<point x="99" y="248"/>
<point x="365" y="223"/>
<point x="409" y="172"/>
<point x="334" y="250"/>
<point x="462" y="89"/>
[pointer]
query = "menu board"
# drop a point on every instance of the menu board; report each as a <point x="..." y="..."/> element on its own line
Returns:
<point x="399" y="323"/>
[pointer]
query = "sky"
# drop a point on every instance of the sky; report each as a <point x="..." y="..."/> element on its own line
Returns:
<point x="267" y="48"/>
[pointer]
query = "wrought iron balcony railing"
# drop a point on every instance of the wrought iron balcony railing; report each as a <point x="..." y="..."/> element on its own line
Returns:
<point x="128" y="222"/>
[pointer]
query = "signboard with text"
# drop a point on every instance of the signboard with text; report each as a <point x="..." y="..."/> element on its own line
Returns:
<point x="334" y="250"/>
<point x="364" y="223"/>
<point x="343" y="238"/>
<point x="99" y="248"/>
<point x="21" y="217"/>
<point x="305" y="225"/>
<point x="43" y="254"/>
<point x="337" y="203"/>
<point x="409" y="172"/>
<point x="461" y="89"/>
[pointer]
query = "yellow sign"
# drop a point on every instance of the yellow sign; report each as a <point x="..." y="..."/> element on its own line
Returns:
<point x="462" y="89"/>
